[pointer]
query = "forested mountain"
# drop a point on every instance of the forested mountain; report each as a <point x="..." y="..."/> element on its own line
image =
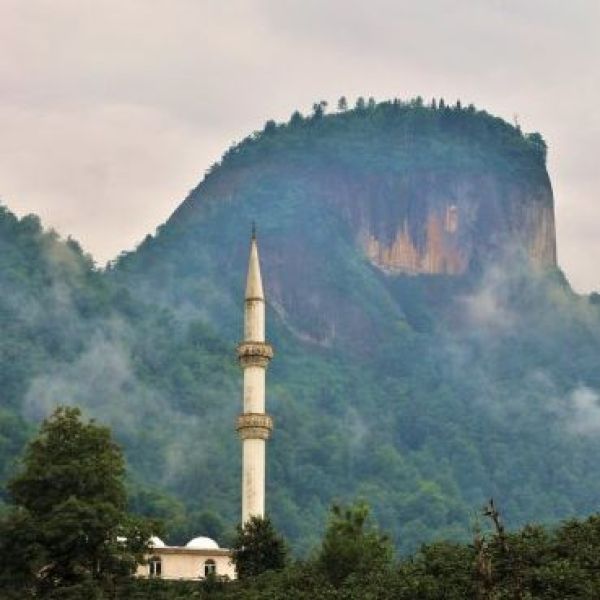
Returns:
<point x="429" y="352"/>
<point x="71" y="336"/>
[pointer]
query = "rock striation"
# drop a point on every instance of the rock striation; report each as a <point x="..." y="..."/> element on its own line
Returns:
<point x="449" y="228"/>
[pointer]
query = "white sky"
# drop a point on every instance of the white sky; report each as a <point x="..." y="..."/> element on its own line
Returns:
<point x="111" y="110"/>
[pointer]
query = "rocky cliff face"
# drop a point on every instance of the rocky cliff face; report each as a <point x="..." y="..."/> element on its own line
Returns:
<point x="458" y="229"/>
<point x="435" y="224"/>
<point x="348" y="204"/>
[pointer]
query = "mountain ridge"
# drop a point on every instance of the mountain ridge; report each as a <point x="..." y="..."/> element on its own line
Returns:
<point x="422" y="393"/>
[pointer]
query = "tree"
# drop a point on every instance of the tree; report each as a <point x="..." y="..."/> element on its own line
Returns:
<point x="296" y="119"/>
<point x="270" y="126"/>
<point x="537" y="141"/>
<point x="319" y="109"/>
<point x="351" y="545"/>
<point x="342" y="104"/>
<point x="69" y="528"/>
<point x="258" y="548"/>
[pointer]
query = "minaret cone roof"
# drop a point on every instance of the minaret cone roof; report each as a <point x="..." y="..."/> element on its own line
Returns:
<point x="254" y="287"/>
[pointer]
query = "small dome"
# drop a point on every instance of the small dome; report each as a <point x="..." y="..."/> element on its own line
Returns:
<point x="156" y="542"/>
<point x="202" y="543"/>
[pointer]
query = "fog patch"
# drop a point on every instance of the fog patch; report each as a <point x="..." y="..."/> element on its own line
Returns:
<point x="101" y="380"/>
<point x="488" y="307"/>
<point x="584" y="406"/>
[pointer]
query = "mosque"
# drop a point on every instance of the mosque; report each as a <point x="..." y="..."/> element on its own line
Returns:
<point x="202" y="556"/>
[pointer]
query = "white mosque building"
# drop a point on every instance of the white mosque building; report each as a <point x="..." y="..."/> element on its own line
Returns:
<point x="202" y="556"/>
<point x="198" y="559"/>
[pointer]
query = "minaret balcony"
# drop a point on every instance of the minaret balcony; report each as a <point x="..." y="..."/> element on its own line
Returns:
<point x="254" y="426"/>
<point x="254" y="354"/>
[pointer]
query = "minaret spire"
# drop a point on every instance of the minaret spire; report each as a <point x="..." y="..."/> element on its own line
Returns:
<point x="254" y="425"/>
<point x="254" y="287"/>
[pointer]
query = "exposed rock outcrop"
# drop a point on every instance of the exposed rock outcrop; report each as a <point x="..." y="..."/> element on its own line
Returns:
<point x="431" y="224"/>
<point x="406" y="189"/>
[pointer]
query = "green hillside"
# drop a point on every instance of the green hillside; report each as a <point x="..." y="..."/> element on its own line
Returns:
<point x="423" y="394"/>
<point x="71" y="336"/>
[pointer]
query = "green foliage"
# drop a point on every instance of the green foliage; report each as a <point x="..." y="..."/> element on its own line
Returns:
<point x="258" y="548"/>
<point x="69" y="460"/>
<point x="350" y="546"/>
<point x="533" y="563"/>
<point x="69" y="530"/>
<point x="402" y="136"/>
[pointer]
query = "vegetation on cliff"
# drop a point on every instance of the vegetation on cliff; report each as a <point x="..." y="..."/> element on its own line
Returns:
<point x="392" y="137"/>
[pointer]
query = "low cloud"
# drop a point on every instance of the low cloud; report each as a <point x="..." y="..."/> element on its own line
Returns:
<point x="101" y="381"/>
<point x="487" y="306"/>
<point x="584" y="407"/>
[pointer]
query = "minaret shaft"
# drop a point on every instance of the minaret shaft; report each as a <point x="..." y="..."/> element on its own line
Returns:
<point x="254" y="425"/>
<point x="253" y="484"/>
<point x="254" y="389"/>
<point x="254" y="320"/>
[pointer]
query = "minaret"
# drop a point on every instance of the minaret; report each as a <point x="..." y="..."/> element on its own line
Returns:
<point x="254" y="425"/>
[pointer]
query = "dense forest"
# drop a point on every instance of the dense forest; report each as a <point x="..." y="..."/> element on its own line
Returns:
<point x="67" y="534"/>
<point x="422" y="394"/>
<point x="533" y="563"/>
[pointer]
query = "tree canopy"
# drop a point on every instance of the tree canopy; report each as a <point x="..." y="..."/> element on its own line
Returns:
<point x="69" y="526"/>
<point x="531" y="563"/>
<point x="352" y="546"/>
<point x="258" y="548"/>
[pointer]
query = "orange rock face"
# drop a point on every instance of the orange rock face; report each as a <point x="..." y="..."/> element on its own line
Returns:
<point x="441" y="253"/>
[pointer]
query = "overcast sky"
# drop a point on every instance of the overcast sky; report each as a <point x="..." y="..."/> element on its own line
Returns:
<point x="111" y="110"/>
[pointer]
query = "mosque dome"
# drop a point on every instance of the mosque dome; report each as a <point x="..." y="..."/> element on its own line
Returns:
<point x="156" y="542"/>
<point x="202" y="543"/>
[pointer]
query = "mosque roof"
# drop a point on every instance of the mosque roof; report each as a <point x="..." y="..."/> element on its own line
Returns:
<point x="156" y="542"/>
<point x="202" y="543"/>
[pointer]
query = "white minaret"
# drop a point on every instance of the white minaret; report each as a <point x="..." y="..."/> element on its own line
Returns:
<point x="254" y="425"/>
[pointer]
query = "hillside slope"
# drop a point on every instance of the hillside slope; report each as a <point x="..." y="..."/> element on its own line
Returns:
<point x="71" y="336"/>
